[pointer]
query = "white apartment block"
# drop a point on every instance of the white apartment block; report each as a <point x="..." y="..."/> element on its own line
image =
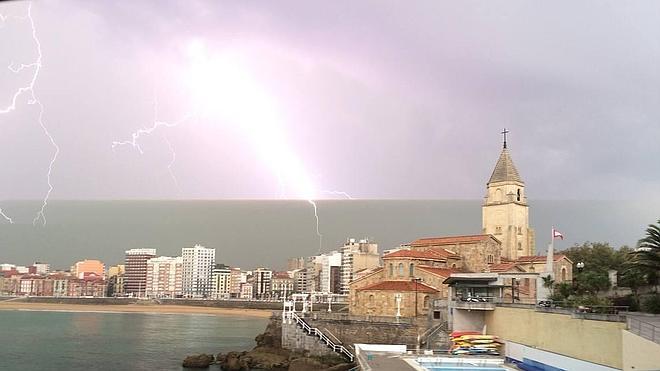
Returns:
<point x="198" y="263"/>
<point x="221" y="281"/>
<point x="164" y="277"/>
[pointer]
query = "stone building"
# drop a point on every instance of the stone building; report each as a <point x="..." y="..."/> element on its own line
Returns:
<point x="505" y="213"/>
<point x="473" y="253"/>
<point x="562" y="266"/>
<point x="418" y="270"/>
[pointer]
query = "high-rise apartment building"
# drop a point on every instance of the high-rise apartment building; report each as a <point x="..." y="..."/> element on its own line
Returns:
<point x="263" y="278"/>
<point x="135" y="274"/>
<point x="235" y="281"/>
<point x="198" y="263"/>
<point x="355" y="256"/>
<point x="327" y="262"/>
<point x="164" y="277"/>
<point x="221" y="281"/>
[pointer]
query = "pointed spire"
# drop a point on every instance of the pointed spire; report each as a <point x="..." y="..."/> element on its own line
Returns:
<point x="505" y="170"/>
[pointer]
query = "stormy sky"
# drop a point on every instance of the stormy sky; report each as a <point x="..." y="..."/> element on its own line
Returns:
<point x="292" y="99"/>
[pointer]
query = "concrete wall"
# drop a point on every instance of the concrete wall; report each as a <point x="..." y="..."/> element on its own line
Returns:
<point x="594" y="341"/>
<point x="294" y="338"/>
<point x="352" y="332"/>
<point x="468" y="320"/>
<point x="639" y="353"/>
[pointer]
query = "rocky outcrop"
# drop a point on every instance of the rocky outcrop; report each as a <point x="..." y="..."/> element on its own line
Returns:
<point x="269" y="355"/>
<point x="198" y="361"/>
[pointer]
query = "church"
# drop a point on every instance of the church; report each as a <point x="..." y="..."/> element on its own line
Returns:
<point x="412" y="276"/>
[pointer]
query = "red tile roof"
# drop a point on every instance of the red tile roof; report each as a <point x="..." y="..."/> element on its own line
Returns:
<point x="416" y="254"/>
<point x="399" y="286"/>
<point x="503" y="267"/>
<point x="451" y="240"/>
<point x="442" y="272"/>
<point x="539" y="258"/>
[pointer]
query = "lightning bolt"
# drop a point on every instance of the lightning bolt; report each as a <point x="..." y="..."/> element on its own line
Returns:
<point x="339" y="193"/>
<point x="136" y="135"/>
<point x="316" y="215"/>
<point x="32" y="99"/>
<point x="169" y="166"/>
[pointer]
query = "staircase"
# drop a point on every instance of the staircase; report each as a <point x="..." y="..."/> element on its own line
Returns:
<point x="313" y="331"/>
<point x="436" y="337"/>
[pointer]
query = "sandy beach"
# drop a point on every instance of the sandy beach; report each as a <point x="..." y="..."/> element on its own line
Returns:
<point x="135" y="308"/>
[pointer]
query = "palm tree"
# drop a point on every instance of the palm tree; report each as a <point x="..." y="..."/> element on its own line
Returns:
<point x="646" y="257"/>
<point x="548" y="283"/>
<point x="647" y="254"/>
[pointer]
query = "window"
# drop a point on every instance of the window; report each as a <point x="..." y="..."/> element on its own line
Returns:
<point x="401" y="269"/>
<point x="490" y="259"/>
<point x="391" y="270"/>
<point x="411" y="270"/>
<point x="563" y="274"/>
<point x="519" y="246"/>
<point x="426" y="301"/>
<point x="453" y="265"/>
<point x="518" y="198"/>
<point x="498" y="230"/>
<point x="371" y="299"/>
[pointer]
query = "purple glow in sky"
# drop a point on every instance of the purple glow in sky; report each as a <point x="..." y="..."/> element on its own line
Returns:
<point x="297" y="99"/>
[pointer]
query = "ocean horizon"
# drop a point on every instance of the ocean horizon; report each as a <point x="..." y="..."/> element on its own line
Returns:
<point x="250" y="233"/>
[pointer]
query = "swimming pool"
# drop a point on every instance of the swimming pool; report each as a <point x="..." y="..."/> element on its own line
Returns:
<point x="459" y="364"/>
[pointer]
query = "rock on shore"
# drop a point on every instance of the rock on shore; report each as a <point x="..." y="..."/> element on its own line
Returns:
<point x="269" y="355"/>
<point x="198" y="361"/>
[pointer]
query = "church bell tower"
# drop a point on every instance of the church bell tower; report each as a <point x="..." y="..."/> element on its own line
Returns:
<point x="505" y="212"/>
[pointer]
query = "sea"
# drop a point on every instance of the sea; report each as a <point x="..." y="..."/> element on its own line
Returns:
<point x="252" y="233"/>
<point x="63" y="341"/>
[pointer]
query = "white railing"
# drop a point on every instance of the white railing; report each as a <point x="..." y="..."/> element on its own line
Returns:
<point x="313" y="331"/>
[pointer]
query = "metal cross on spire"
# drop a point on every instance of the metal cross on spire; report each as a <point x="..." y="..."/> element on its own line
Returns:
<point x="504" y="134"/>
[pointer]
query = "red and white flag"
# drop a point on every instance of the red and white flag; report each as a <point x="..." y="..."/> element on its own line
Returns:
<point x="557" y="234"/>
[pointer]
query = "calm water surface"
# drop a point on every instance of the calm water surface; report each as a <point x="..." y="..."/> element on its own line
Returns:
<point x="31" y="340"/>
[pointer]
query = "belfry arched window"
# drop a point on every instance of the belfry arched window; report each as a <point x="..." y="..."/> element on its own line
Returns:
<point x="411" y="270"/>
<point x="401" y="269"/>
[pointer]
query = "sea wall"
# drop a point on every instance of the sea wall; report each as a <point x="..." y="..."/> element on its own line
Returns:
<point x="590" y="340"/>
<point x="243" y="304"/>
<point x="350" y="332"/>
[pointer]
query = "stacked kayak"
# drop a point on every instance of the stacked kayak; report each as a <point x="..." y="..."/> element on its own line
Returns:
<point x="473" y="343"/>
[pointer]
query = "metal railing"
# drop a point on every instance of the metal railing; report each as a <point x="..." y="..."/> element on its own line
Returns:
<point x="645" y="329"/>
<point x="313" y="331"/>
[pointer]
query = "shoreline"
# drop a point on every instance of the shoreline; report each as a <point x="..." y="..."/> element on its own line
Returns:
<point x="134" y="308"/>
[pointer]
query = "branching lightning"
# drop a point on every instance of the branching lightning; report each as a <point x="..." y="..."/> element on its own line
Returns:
<point x="169" y="166"/>
<point x="222" y="89"/>
<point x="339" y="193"/>
<point x="136" y="135"/>
<point x="32" y="99"/>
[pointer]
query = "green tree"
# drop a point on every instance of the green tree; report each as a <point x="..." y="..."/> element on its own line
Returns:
<point x="647" y="255"/>
<point x="592" y="282"/>
<point x="549" y="283"/>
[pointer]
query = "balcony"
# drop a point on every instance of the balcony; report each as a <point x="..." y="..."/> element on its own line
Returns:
<point x="475" y="303"/>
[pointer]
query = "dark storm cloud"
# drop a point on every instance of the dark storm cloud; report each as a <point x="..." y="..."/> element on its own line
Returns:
<point x="380" y="99"/>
